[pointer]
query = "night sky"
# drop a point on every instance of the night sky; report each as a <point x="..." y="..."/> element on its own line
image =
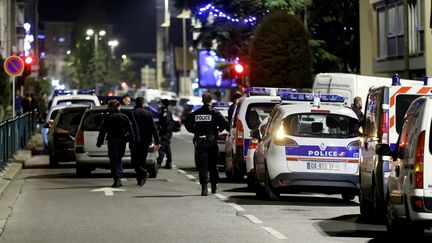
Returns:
<point x="134" y="20"/>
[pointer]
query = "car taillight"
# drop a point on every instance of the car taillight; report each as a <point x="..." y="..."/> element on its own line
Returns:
<point x="79" y="139"/>
<point x="239" y="135"/>
<point x="354" y="145"/>
<point x="61" y="132"/>
<point x="253" y="143"/>
<point x="418" y="167"/>
<point x="385" y="127"/>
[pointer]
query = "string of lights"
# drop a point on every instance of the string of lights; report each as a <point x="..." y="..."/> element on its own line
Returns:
<point x="212" y="10"/>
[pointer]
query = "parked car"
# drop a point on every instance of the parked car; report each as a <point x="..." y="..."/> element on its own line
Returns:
<point x="68" y="97"/>
<point x="385" y="109"/>
<point x="222" y="107"/>
<point x="308" y="148"/>
<point x="52" y="113"/>
<point x="61" y="136"/>
<point x="90" y="157"/>
<point x="409" y="194"/>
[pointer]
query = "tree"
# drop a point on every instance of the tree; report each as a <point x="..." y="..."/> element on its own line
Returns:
<point x="280" y="53"/>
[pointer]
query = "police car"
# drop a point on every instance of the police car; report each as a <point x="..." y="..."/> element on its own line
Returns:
<point x="385" y="109"/>
<point x="68" y="97"/>
<point x="409" y="195"/>
<point x="309" y="147"/>
<point x="222" y="107"/>
<point x="249" y="112"/>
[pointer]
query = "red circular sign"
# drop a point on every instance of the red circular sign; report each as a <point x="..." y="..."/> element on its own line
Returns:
<point x="14" y="66"/>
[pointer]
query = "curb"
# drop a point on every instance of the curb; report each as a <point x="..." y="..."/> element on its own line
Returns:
<point x="12" y="169"/>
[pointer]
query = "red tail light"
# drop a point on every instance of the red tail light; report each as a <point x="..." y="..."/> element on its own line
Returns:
<point x="253" y="143"/>
<point x="418" y="167"/>
<point x="385" y="127"/>
<point x="79" y="139"/>
<point x="239" y="135"/>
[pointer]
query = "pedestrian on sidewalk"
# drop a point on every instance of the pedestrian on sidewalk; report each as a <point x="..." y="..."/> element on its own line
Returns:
<point x="147" y="133"/>
<point x="165" y="128"/>
<point x="118" y="131"/>
<point x="206" y="123"/>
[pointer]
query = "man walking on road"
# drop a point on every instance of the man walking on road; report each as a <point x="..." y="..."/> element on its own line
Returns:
<point x="165" y="127"/>
<point x="118" y="130"/>
<point x="147" y="133"/>
<point x="205" y="123"/>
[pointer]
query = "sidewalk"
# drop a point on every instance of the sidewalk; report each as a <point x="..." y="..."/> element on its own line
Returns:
<point x="14" y="167"/>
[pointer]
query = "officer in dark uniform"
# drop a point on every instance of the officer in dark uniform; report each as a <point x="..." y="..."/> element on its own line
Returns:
<point x="147" y="134"/>
<point x="165" y="127"/>
<point x="234" y="98"/>
<point x="205" y="123"/>
<point x="118" y="130"/>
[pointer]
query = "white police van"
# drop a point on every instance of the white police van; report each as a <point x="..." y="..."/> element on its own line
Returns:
<point x="409" y="194"/>
<point x="68" y="97"/>
<point x="249" y="112"/>
<point x="385" y="109"/>
<point x="309" y="147"/>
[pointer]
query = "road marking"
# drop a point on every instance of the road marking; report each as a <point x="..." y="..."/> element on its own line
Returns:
<point x="181" y="171"/>
<point x="236" y="207"/>
<point x="191" y="177"/>
<point x="253" y="219"/>
<point x="275" y="233"/>
<point x="221" y="197"/>
<point x="109" y="191"/>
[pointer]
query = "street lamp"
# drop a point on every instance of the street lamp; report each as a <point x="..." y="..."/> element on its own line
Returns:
<point x="113" y="44"/>
<point x="91" y="32"/>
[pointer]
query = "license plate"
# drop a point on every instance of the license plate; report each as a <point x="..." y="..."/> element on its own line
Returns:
<point x="322" y="166"/>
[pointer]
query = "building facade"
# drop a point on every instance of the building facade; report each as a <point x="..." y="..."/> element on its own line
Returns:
<point x="382" y="38"/>
<point x="57" y="46"/>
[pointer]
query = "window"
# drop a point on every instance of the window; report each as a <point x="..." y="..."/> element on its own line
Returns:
<point x="382" y="37"/>
<point x="402" y="104"/>
<point x="257" y="112"/>
<point x="321" y="125"/>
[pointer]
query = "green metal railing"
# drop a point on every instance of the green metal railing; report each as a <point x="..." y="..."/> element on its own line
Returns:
<point x="14" y="135"/>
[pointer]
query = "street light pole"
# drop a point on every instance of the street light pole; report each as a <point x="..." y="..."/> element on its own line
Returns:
<point x="184" y="54"/>
<point x="96" y="38"/>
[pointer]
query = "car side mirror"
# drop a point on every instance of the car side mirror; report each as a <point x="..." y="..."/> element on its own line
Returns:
<point x="382" y="149"/>
<point x="255" y="133"/>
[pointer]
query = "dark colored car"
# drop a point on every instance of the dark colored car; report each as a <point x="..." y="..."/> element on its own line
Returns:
<point x="61" y="136"/>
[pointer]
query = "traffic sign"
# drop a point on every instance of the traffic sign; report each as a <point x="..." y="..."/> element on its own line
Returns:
<point x="14" y="66"/>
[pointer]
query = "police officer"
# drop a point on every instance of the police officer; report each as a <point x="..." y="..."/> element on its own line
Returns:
<point x="357" y="108"/>
<point x="234" y="98"/>
<point x="118" y="130"/>
<point x="165" y="127"/>
<point x="147" y="133"/>
<point x="205" y="123"/>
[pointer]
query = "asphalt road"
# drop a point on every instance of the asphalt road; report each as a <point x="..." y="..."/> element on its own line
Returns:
<point x="53" y="205"/>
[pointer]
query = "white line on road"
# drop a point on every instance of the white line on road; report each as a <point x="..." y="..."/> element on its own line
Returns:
<point x="191" y="177"/>
<point x="253" y="219"/>
<point x="108" y="191"/>
<point x="181" y="171"/>
<point x="221" y="197"/>
<point x="275" y="233"/>
<point x="236" y="207"/>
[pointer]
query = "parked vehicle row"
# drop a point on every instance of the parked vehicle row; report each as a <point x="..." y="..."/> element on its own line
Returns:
<point x="312" y="142"/>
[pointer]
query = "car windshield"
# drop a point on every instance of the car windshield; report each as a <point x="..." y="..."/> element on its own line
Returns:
<point x="257" y="112"/>
<point x="93" y="119"/>
<point x="75" y="101"/>
<point x="320" y="125"/>
<point x="70" y="119"/>
<point x="54" y="114"/>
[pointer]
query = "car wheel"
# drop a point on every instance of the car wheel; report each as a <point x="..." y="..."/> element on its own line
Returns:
<point x="153" y="170"/>
<point x="394" y="224"/>
<point x="270" y="192"/>
<point x="259" y="188"/>
<point x="347" y="197"/>
<point x="53" y="161"/>
<point x="82" y="171"/>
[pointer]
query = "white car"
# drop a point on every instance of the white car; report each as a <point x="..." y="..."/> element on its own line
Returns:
<point x="409" y="193"/>
<point x="52" y="113"/>
<point x="250" y="111"/>
<point x="66" y="97"/>
<point x="222" y="107"/>
<point x="89" y="157"/>
<point x="309" y="147"/>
